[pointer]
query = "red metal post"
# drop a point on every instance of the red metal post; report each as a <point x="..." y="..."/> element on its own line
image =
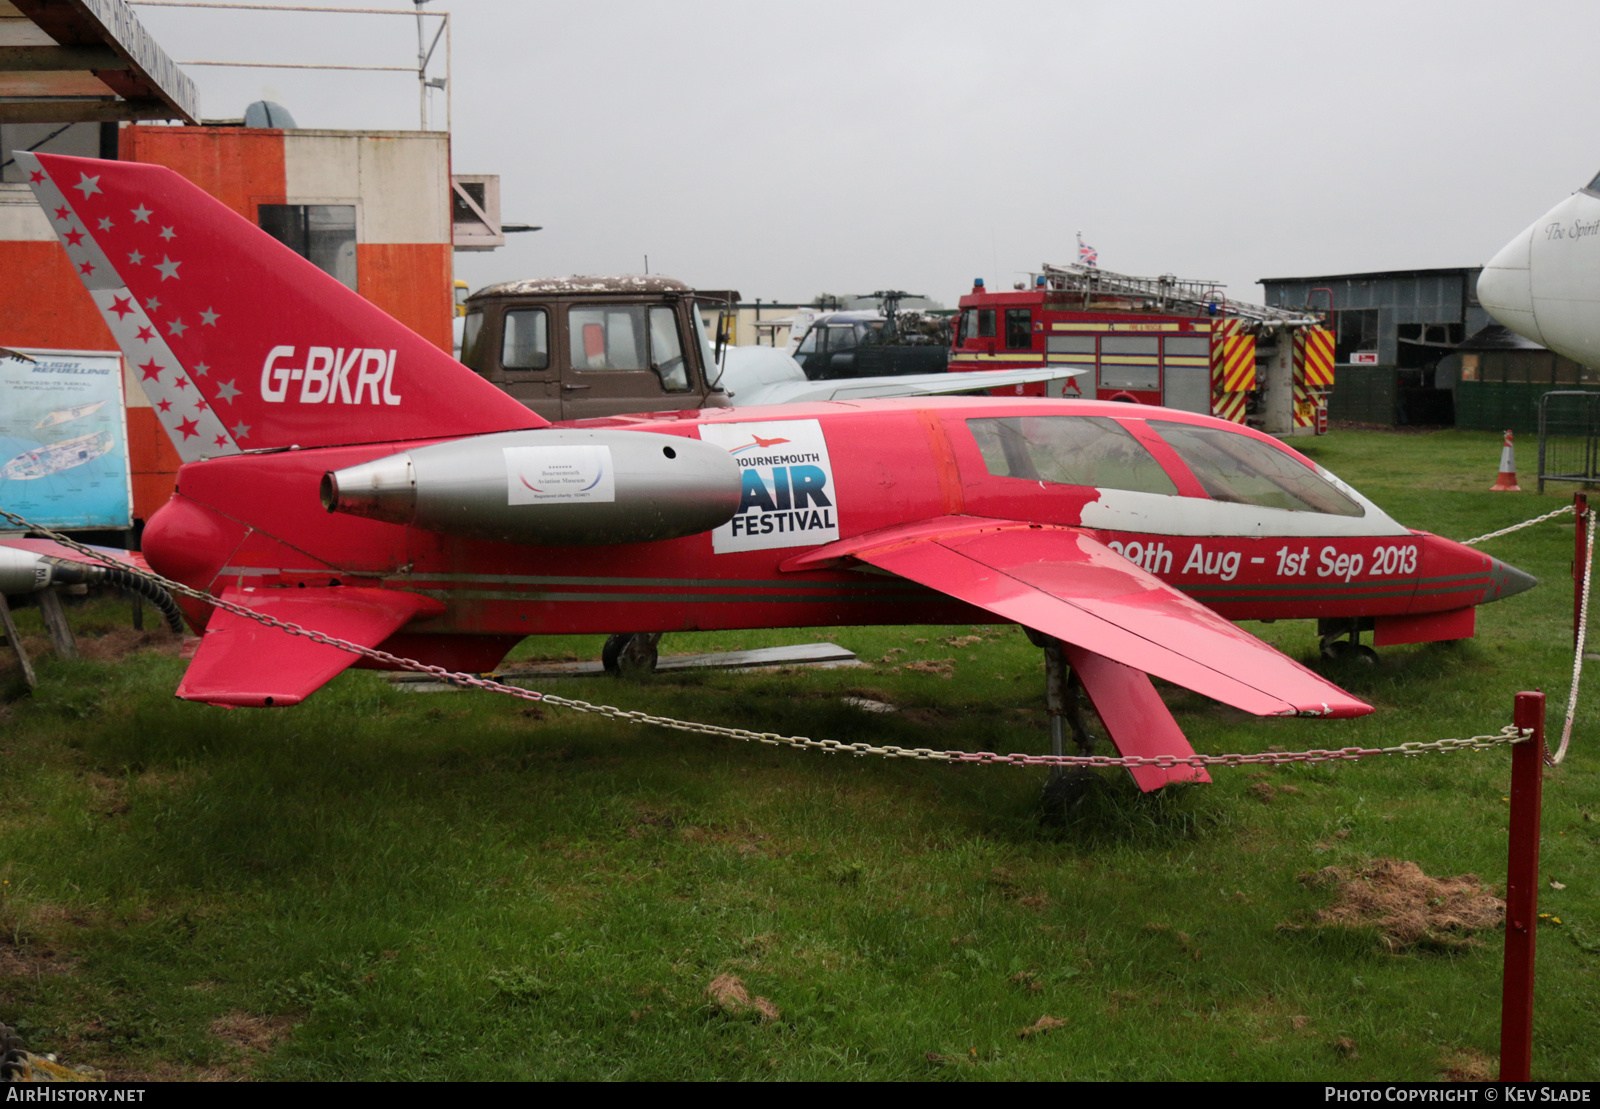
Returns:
<point x="1522" y="892"/>
<point x="1580" y="556"/>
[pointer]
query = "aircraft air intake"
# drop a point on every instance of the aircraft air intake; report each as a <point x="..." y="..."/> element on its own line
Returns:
<point x="547" y="488"/>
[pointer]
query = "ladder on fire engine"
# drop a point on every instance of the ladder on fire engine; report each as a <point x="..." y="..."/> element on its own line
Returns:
<point x="1167" y="293"/>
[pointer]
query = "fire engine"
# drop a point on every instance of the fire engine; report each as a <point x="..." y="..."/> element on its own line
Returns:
<point x="1155" y="340"/>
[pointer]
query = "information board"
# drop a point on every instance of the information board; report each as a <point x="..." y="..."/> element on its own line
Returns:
<point x="64" y="439"/>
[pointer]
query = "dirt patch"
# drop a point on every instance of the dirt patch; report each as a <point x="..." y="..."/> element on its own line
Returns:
<point x="1042" y="1025"/>
<point x="648" y="818"/>
<point x="118" y="643"/>
<point x="32" y="961"/>
<point x="110" y="795"/>
<point x="728" y="995"/>
<point x="943" y="667"/>
<point x="252" y="1033"/>
<point x="1266" y="791"/>
<point x="1468" y="1065"/>
<point x="172" y="1072"/>
<point x="1407" y="906"/>
<point x="746" y="843"/>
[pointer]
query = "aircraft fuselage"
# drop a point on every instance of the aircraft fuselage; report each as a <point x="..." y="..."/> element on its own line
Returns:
<point x="816" y="475"/>
<point x="1545" y="283"/>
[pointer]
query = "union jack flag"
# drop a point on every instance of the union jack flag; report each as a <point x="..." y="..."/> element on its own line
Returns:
<point x="1087" y="255"/>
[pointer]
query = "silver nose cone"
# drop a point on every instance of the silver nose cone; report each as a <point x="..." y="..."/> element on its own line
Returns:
<point x="1505" y="287"/>
<point x="1506" y="580"/>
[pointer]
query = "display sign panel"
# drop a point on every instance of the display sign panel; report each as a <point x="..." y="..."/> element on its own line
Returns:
<point x="64" y="439"/>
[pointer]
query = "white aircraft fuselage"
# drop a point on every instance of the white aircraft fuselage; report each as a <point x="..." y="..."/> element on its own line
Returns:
<point x="1545" y="283"/>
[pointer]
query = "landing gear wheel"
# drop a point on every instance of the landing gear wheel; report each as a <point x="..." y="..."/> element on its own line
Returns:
<point x="612" y="651"/>
<point x="1063" y="793"/>
<point x="1343" y="650"/>
<point x="630" y="653"/>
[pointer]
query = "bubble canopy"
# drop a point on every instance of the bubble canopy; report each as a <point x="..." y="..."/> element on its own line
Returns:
<point x="1099" y="451"/>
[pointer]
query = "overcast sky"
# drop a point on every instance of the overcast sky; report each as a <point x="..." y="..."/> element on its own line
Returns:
<point x="789" y="149"/>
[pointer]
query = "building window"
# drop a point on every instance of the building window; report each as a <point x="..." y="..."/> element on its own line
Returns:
<point x="1354" y="330"/>
<point x="325" y="234"/>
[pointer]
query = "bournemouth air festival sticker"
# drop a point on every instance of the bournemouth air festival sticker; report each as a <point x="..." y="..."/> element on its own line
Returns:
<point x="786" y="485"/>
<point x="541" y="475"/>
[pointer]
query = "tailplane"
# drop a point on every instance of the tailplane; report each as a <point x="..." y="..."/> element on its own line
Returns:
<point x="240" y="343"/>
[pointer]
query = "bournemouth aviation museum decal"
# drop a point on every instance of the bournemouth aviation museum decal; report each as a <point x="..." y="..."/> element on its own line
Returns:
<point x="787" y="491"/>
<point x="544" y="475"/>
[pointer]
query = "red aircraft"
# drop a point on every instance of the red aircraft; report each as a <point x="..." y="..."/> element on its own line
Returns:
<point x="342" y="473"/>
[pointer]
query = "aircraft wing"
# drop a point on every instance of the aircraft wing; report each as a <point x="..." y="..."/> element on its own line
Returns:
<point x="243" y="663"/>
<point x="1063" y="583"/>
<point x="900" y="385"/>
<point x="52" y="549"/>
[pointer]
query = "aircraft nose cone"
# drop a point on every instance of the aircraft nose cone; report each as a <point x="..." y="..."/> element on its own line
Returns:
<point x="1506" y="291"/>
<point x="1506" y="580"/>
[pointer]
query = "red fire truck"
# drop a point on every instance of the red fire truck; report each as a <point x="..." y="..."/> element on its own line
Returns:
<point x="1155" y="340"/>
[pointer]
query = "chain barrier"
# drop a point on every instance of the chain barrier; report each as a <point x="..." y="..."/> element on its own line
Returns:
<point x="1508" y="734"/>
<point x="1583" y="616"/>
<point x="1475" y="540"/>
<point x="1577" y="657"/>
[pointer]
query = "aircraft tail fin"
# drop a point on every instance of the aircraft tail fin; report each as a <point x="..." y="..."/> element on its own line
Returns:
<point x="240" y="343"/>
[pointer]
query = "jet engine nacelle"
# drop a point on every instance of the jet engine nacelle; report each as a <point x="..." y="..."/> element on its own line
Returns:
<point x="552" y="487"/>
<point x="23" y="571"/>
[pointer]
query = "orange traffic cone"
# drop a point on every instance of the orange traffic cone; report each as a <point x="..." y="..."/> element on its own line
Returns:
<point x="1506" y="482"/>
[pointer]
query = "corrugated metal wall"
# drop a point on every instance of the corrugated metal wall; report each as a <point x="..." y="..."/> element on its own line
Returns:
<point x="1424" y="296"/>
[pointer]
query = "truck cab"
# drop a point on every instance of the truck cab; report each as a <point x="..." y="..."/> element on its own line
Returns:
<point x="573" y="348"/>
<point x="867" y="343"/>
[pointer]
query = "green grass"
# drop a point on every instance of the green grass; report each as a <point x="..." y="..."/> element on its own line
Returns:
<point x="463" y="886"/>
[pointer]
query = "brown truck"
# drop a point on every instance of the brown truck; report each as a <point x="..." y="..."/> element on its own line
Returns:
<point x="575" y="347"/>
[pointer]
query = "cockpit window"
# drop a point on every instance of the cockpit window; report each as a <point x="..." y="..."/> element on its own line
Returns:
<point x="1594" y="186"/>
<point x="1238" y="468"/>
<point x="1072" y="450"/>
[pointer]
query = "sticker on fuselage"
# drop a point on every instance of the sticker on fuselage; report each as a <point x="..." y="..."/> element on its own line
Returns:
<point x="786" y="494"/>
<point x="559" y="474"/>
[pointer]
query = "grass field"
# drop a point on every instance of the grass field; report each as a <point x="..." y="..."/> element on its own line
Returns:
<point x="386" y="885"/>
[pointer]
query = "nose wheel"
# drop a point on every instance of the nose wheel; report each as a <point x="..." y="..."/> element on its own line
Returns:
<point x="1348" y="650"/>
<point x="1340" y="638"/>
